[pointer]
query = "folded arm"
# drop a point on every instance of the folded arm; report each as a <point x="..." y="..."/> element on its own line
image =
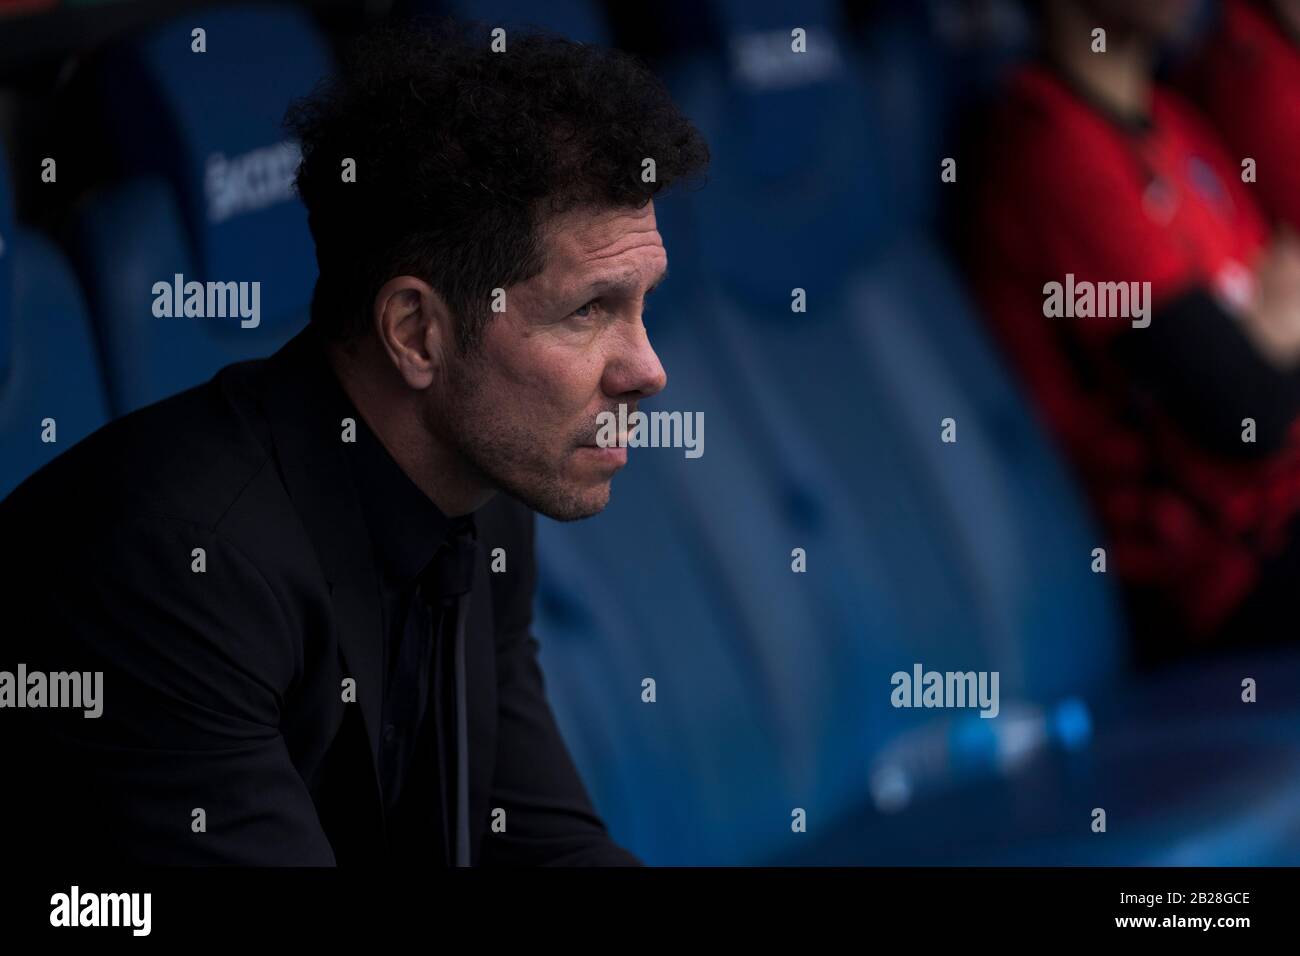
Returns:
<point x="194" y="667"/>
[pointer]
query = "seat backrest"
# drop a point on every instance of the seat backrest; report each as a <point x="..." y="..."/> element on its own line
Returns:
<point x="51" y="388"/>
<point x="877" y="351"/>
<point x="794" y="180"/>
<point x="210" y="124"/>
<point x="52" y="393"/>
<point x="207" y="196"/>
<point x="1011" y="512"/>
<point x="7" y="230"/>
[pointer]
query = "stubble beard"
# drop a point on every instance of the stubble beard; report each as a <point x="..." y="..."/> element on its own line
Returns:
<point x="504" y="455"/>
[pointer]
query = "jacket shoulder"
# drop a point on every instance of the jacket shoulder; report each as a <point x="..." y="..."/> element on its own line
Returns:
<point x="188" y="457"/>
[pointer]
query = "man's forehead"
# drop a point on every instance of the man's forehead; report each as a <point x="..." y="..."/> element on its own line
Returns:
<point x="592" y="233"/>
<point x="608" y="244"/>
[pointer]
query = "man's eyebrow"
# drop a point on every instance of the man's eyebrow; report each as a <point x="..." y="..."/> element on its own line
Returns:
<point x="624" y="282"/>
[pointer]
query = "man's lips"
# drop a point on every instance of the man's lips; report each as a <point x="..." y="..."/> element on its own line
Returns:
<point x="609" y="454"/>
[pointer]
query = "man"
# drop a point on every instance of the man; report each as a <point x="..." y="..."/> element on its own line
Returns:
<point x="1246" y="79"/>
<point x="307" y="584"/>
<point x="1181" y="413"/>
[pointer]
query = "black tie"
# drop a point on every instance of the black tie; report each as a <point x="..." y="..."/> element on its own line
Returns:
<point x="445" y="584"/>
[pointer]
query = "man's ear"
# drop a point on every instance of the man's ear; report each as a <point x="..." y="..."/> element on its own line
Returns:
<point x="415" y="329"/>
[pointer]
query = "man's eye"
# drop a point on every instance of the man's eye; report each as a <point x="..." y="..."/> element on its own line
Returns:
<point x="584" y="311"/>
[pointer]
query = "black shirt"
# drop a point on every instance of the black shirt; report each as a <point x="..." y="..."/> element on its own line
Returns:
<point x="407" y="532"/>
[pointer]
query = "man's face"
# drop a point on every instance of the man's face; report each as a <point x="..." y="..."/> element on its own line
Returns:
<point x="522" y="410"/>
<point x="1151" y="20"/>
<point x="1288" y="12"/>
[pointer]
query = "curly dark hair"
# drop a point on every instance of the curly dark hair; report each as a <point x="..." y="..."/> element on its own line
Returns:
<point x="462" y="154"/>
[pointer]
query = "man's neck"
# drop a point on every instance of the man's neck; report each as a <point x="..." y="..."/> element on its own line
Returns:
<point x="1285" y="15"/>
<point x="392" y="412"/>
<point x="1119" y="79"/>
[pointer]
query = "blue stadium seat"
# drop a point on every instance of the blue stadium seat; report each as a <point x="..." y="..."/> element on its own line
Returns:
<point x="880" y="351"/>
<point x="795" y="181"/>
<point x="937" y="561"/>
<point x="208" y="195"/>
<point x="7" y="227"/>
<point x="926" y="64"/>
<point x="48" y="364"/>
<point x="1010" y="511"/>
<point x="614" y="610"/>
<point x="985" y="543"/>
<point x="810" y="229"/>
<point x="1186" y="775"/>
<point x="906" y="81"/>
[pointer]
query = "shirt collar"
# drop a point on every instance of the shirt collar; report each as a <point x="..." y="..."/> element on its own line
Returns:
<point x="406" y="527"/>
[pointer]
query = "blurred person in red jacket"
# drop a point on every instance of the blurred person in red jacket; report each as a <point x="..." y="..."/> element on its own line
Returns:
<point x="1247" y="79"/>
<point x="1101" y="192"/>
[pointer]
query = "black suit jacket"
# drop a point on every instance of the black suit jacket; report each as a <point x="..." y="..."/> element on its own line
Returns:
<point x="223" y="690"/>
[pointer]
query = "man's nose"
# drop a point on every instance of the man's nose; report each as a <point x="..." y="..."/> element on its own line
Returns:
<point x="638" y="371"/>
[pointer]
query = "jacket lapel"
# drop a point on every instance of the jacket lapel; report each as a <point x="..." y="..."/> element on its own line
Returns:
<point x="300" y="398"/>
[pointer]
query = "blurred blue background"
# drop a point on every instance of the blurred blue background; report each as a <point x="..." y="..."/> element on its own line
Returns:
<point x="772" y="688"/>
